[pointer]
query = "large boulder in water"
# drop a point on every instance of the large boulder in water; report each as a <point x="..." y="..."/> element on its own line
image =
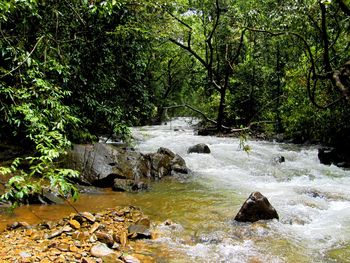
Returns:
<point x="164" y="162"/>
<point x="199" y="148"/>
<point x="256" y="208"/>
<point x="338" y="157"/>
<point x="106" y="165"/>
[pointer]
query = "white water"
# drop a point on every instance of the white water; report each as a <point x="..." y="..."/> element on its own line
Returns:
<point x="312" y="200"/>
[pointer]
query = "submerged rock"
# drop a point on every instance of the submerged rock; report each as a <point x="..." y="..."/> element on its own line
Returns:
<point x="256" y="208"/>
<point x="199" y="148"/>
<point x="125" y="185"/>
<point x="279" y="159"/>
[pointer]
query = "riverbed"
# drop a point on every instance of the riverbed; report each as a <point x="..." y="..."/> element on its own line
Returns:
<point x="312" y="201"/>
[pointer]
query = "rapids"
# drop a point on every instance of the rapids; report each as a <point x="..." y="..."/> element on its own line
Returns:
<point x="312" y="201"/>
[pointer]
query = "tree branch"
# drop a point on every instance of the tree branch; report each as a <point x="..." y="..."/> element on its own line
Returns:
<point x="21" y="63"/>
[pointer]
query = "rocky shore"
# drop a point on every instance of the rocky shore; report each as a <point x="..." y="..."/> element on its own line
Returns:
<point x="106" y="236"/>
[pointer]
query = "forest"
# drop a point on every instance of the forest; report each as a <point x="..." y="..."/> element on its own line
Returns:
<point x="73" y="70"/>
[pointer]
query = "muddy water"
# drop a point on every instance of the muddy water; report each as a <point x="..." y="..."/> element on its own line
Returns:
<point x="313" y="202"/>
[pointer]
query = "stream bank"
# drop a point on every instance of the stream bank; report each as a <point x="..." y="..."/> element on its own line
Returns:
<point x="105" y="236"/>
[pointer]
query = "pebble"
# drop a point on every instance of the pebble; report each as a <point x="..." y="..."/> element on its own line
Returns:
<point x="100" y="250"/>
<point x="130" y="259"/>
<point x="73" y="239"/>
<point x="74" y="223"/>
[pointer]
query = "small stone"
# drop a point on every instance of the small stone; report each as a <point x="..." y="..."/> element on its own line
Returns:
<point x="25" y="254"/>
<point x="105" y="238"/>
<point x="116" y="237"/>
<point x="63" y="247"/>
<point x="73" y="248"/>
<point x="139" y="231"/>
<point x="168" y="222"/>
<point x="16" y="225"/>
<point x="88" y="216"/>
<point x="130" y="259"/>
<point x="74" y="223"/>
<point x="112" y="258"/>
<point x="94" y="227"/>
<point x="93" y="238"/>
<point x="100" y="250"/>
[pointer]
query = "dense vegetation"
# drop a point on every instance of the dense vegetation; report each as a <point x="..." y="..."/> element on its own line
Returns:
<point x="71" y="71"/>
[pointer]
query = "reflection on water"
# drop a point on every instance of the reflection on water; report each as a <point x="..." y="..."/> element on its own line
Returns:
<point x="312" y="201"/>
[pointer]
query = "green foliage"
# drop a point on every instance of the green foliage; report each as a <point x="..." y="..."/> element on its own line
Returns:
<point x="71" y="71"/>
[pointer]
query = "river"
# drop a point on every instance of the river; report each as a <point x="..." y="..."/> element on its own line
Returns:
<point x="312" y="201"/>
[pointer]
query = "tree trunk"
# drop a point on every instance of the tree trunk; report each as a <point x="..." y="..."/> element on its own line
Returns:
<point x="221" y="109"/>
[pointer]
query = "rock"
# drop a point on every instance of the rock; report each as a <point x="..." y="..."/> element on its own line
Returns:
<point x="102" y="164"/>
<point x="94" y="227"/>
<point x="88" y="260"/>
<point x="178" y="164"/>
<point x="207" y="131"/>
<point x="87" y="215"/>
<point x="105" y="238"/>
<point x="112" y="258"/>
<point x="255" y="208"/>
<point x="74" y="223"/>
<point x="166" y="151"/>
<point x="16" y="225"/>
<point x="279" y="159"/>
<point x="124" y="185"/>
<point x="100" y="250"/>
<point x="144" y="221"/>
<point x="130" y="259"/>
<point x="199" y="148"/>
<point x="327" y="155"/>
<point x="139" y="231"/>
<point x="336" y="156"/>
<point x="25" y="254"/>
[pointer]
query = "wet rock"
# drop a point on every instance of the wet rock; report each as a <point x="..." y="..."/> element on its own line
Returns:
<point x="112" y="258"/>
<point x="334" y="156"/>
<point x="199" y="148"/>
<point x="124" y="185"/>
<point x="139" y="231"/>
<point x="279" y="159"/>
<point x="255" y="208"/>
<point x="207" y="131"/>
<point x="166" y="151"/>
<point x="100" y="250"/>
<point x="16" y="225"/>
<point x="178" y="165"/>
<point x="144" y="221"/>
<point x="105" y="238"/>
